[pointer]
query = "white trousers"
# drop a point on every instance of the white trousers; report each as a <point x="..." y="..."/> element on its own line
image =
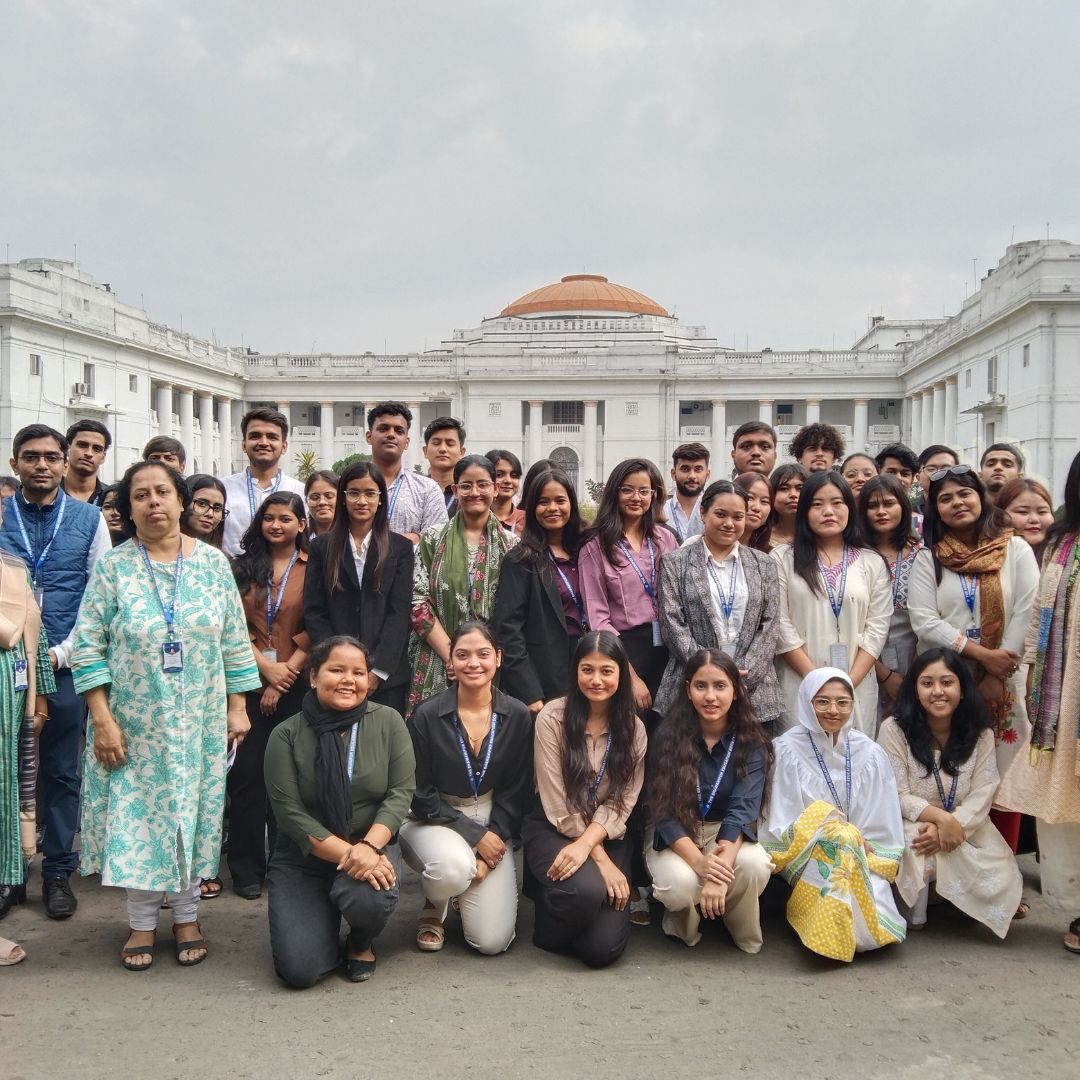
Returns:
<point x="144" y="906"/>
<point x="446" y="865"/>
<point x="1059" y="865"/>
<point x="678" y="888"/>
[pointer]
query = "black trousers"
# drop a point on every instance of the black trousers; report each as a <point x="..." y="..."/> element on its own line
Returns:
<point x="250" y="816"/>
<point x="574" y="915"/>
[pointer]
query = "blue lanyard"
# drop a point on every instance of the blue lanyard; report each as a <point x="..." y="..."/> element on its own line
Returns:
<point x="649" y="583"/>
<point x="949" y="802"/>
<point x="844" y="807"/>
<point x="594" y="787"/>
<point x="577" y="601"/>
<point x="350" y="764"/>
<point x="273" y="604"/>
<point x="395" y="490"/>
<point x="39" y="560"/>
<point x="836" y="599"/>
<point x="727" y="603"/>
<point x="970" y="585"/>
<point x="170" y="611"/>
<point x="705" y="807"/>
<point x="476" y="779"/>
<point x="251" y="490"/>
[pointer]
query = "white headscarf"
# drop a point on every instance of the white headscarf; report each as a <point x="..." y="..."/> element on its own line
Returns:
<point x="808" y="690"/>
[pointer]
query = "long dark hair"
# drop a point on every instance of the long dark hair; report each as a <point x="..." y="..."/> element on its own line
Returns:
<point x="254" y="565"/>
<point x="197" y="483"/>
<point x="968" y="722"/>
<point x="884" y="484"/>
<point x="622" y="720"/>
<point x="760" y="537"/>
<point x="1070" y="517"/>
<point x="533" y="548"/>
<point x="608" y="527"/>
<point x="991" y="524"/>
<point x="337" y="536"/>
<point x="805" y="545"/>
<point x="674" y="753"/>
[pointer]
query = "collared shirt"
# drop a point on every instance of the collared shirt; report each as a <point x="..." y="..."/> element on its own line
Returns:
<point x="684" y="527"/>
<point x="738" y="799"/>
<point x="236" y="500"/>
<point x="719" y="574"/>
<point x="417" y="503"/>
<point x="615" y="598"/>
<point x="288" y="633"/>
<point x="360" y="557"/>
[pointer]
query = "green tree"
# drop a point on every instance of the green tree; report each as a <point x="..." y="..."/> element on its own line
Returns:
<point x="307" y="462"/>
<point x="340" y="466"/>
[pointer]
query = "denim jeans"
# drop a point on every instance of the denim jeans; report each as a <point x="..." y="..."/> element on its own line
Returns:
<point x="59" y="772"/>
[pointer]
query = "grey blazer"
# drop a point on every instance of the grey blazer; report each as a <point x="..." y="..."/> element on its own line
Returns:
<point x="686" y="621"/>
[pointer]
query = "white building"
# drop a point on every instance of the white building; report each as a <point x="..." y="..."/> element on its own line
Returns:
<point x="582" y="371"/>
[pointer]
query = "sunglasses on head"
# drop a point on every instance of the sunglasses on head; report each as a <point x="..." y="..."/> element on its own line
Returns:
<point x="952" y="470"/>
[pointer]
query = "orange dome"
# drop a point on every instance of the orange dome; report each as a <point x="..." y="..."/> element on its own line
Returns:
<point x="584" y="292"/>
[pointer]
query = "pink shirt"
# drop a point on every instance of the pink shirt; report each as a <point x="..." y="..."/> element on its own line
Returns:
<point x="615" y="597"/>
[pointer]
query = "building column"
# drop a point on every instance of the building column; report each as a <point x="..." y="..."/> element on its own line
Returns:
<point x="719" y="434"/>
<point x="206" y="432"/>
<point x="939" y="411"/>
<point x="225" y="436"/>
<point x="765" y="411"/>
<point x="928" y="416"/>
<point x="286" y="408"/>
<point x="536" y="431"/>
<point x="164" y="409"/>
<point x="860" y="430"/>
<point x="915" y="408"/>
<point x="951" y="407"/>
<point x="326" y="434"/>
<point x="414" y="455"/>
<point x="813" y="410"/>
<point x="186" y="410"/>
<point x="588" y="466"/>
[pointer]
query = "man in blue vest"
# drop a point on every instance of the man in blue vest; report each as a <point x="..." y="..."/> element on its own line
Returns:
<point x="59" y="538"/>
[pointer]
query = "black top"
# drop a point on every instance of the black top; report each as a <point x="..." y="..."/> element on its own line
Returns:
<point x="738" y="800"/>
<point x="440" y="767"/>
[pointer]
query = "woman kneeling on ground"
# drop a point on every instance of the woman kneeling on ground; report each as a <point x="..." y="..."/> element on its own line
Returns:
<point x="339" y="776"/>
<point x="706" y="779"/>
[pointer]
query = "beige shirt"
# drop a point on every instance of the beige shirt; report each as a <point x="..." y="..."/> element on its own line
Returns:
<point x="547" y="762"/>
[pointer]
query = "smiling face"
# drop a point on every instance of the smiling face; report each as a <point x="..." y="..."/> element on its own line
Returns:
<point x="755" y="452"/>
<point x="938" y="690"/>
<point x="475" y="491"/>
<point x="362" y="497"/>
<point x="690" y="477"/>
<point x="828" y="514"/>
<point x="507" y="479"/>
<point x="884" y="512"/>
<point x="1031" y="515"/>
<point x="280" y="526"/>
<point x="758" y="505"/>
<point x="264" y="444"/>
<point x="474" y="660"/>
<point x="711" y="692"/>
<point x="597" y="677"/>
<point x="341" y="682"/>
<point x="724" y="520"/>
<point x="857" y="471"/>
<point x="553" y="507"/>
<point x="207" y="511"/>
<point x="958" y="505"/>
<point x="832" y="706"/>
<point x="635" y="496"/>
<point x="155" y="503"/>
<point x="321" y="500"/>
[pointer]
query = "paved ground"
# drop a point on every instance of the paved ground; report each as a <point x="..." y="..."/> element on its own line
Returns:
<point x="951" y="1003"/>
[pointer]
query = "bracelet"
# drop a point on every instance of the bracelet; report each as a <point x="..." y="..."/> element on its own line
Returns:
<point x="377" y="850"/>
<point x="40" y="716"/>
<point x="882" y="682"/>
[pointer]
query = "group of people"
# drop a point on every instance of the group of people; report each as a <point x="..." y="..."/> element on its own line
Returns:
<point x="800" y="670"/>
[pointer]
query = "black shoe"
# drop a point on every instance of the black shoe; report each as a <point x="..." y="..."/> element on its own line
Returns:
<point x="60" y="902"/>
<point x="10" y="895"/>
<point x="248" y="892"/>
<point x="359" y="971"/>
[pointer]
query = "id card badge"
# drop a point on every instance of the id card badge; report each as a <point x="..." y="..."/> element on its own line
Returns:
<point x="838" y="656"/>
<point x="657" y="637"/>
<point x="271" y="655"/>
<point x="728" y="649"/>
<point x="890" y="658"/>
<point x="973" y="633"/>
<point x="21" y="681"/>
<point x="39" y="599"/>
<point x="172" y="656"/>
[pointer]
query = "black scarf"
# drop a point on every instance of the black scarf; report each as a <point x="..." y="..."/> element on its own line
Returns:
<point x="331" y="766"/>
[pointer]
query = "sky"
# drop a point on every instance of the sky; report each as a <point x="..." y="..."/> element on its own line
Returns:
<point x="351" y="176"/>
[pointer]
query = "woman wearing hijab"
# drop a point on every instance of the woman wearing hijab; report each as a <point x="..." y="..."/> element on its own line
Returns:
<point x="833" y="825"/>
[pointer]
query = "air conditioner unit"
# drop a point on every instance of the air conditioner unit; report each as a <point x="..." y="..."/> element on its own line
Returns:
<point x="80" y="389"/>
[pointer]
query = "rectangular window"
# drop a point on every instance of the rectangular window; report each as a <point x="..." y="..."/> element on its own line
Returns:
<point x="991" y="375"/>
<point x="86" y="305"/>
<point x="785" y="414"/>
<point x="568" y="412"/>
<point x="1027" y="356"/>
<point x="967" y="379"/>
<point x="133" y="383"/>
<point x="35" y="363"/>
<point x="88" y="378"/>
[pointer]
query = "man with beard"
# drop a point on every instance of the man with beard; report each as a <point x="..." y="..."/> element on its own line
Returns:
<point x="999" y="464"/>
<point x="753" y="448"/>
<point x="88" y="443"/>
<point x="691" y="473"/>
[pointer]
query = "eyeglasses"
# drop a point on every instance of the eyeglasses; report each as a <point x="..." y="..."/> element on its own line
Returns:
<point x="314" y="500"/>
<point x="952" y="470"/>
<point x="642" y="493"/>
<point x="32" y="457"/>
<point x="361" y="496"/>
<point x="481" y="487"/>
<point x="204" y="507"/>
<point x="828" y="705"/>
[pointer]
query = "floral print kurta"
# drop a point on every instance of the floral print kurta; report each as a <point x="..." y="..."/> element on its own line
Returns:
<point x="155" y="822"/>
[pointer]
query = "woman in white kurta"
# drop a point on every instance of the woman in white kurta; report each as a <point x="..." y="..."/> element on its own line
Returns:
<point x="835" y="599"/>
<point x="832" y="824"/>
<point x="941" y="749"/>
<point x="972" y="589"/>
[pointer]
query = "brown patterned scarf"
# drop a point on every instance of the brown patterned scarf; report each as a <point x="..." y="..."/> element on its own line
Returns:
<point x="984" y="561"/>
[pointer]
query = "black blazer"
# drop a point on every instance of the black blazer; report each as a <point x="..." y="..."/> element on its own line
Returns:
<point x="381" y="620"/>
<point x="529" y="625"/>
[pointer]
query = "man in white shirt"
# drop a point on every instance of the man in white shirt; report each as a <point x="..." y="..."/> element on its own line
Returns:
<point x="416" y="501"/>
<point x="690" y="471"/>
<point x="265" y="440"/>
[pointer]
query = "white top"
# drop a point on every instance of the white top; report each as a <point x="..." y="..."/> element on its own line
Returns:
<point x="360" y="557"/>
<point x="236" y="501"/>
<point x="684" y="527"/>
<point x="727" y="574"/>
<point x="416" y="503"/>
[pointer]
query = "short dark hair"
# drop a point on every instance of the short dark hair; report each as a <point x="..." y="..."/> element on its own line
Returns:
<point x="811" y="435"/>
<point x="445" y="423"/>
<point x="690" y="451"/>
<point x="904" y="454"/>
<point x="752" y="427"/>
<point x="1008" y="448"/>
<point x="495" y="456"/>
<point x="37" y="431"/>
<point x="936" y="448"/>
<point x="389" y="408"/>
<point x="267" y="416"/>
<point x="165" y="444"/>
<point x="96" y="426"/>
<point x="123" y="489"/>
